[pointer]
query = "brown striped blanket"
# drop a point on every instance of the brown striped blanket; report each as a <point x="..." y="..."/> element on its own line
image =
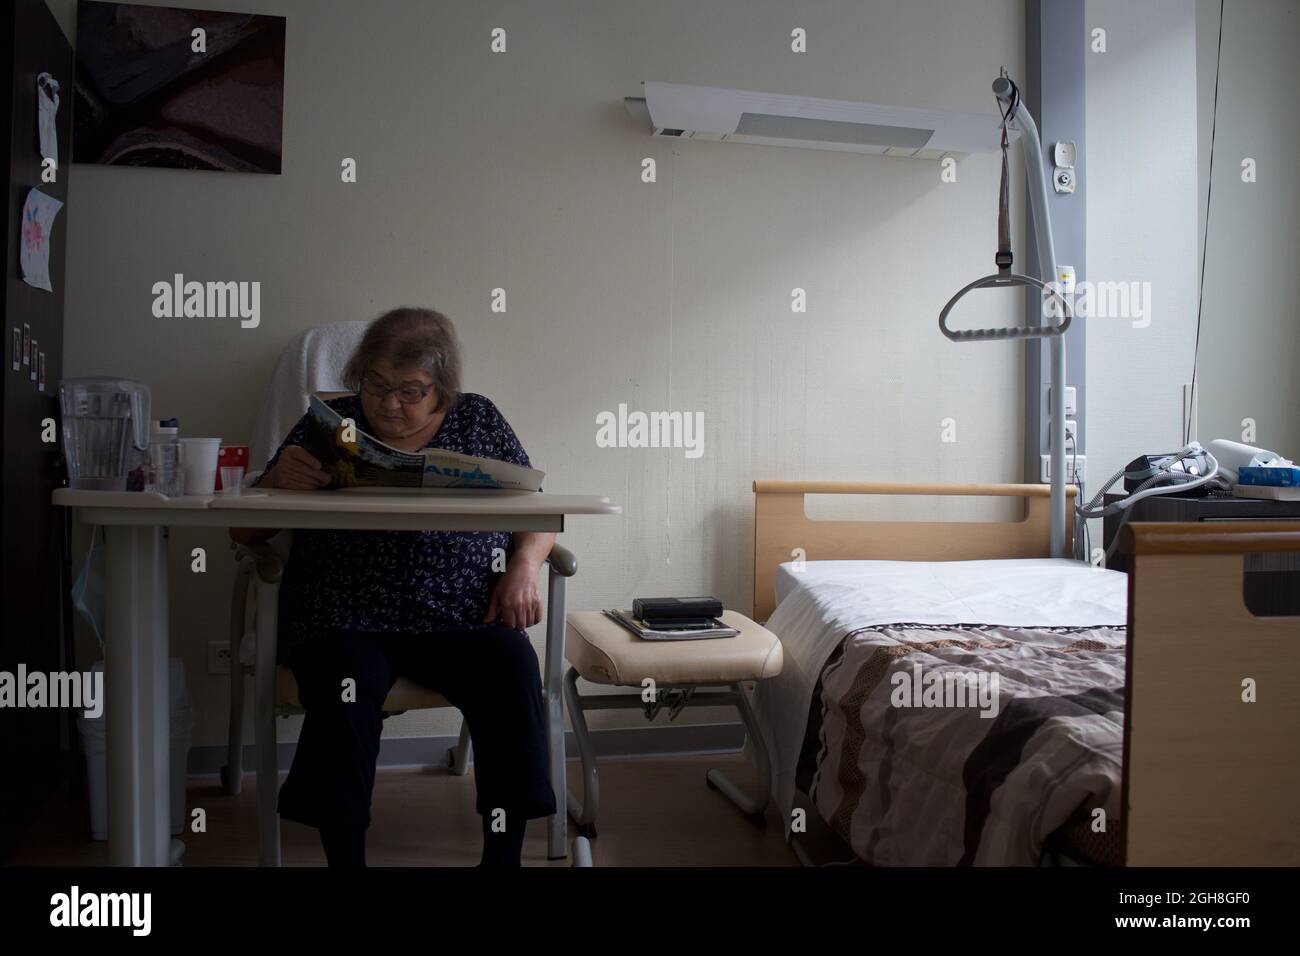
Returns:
<point x="965" y="744"/>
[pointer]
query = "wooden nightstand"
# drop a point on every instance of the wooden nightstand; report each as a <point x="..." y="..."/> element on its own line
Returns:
<point x="1272" y="580"/>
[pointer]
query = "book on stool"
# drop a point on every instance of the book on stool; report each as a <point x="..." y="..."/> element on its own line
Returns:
<point x="673" y="619"/>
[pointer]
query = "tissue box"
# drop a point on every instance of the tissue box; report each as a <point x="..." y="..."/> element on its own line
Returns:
<point x="1273" y="477"/>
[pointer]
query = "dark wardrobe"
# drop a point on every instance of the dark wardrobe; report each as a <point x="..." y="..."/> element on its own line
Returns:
<point x="33" y="742"/>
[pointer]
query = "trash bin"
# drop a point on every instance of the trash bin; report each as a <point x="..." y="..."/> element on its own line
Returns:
<point x="94" y="743"/>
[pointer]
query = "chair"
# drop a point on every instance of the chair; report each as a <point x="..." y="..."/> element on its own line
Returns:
<point x="311" y="361"/>
<point x="275" y="693"/>
<point x="308" y="364"/>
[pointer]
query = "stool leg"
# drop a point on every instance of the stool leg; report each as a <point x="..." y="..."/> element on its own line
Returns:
<point x="581" y="851"/>
<point x="754" y="807"/>
<point x="459" y="756"/>
<point x="583" y="810"/>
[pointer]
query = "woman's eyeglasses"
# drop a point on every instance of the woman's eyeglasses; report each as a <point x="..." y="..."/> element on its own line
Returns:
<point x="408" y="393"/>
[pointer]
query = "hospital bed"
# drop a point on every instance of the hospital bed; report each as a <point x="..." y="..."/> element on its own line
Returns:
<point x="1141" y="719"/>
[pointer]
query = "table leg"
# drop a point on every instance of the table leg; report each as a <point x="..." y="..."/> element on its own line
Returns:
<point x="557" y="825"/>
<point x="137" y="699"/>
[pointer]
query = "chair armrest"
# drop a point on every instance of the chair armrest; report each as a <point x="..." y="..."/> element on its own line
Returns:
<point x="270" y="566"/>
<point x="562" y="561"/>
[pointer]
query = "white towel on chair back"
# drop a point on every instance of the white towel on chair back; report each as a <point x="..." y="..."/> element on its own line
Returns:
<point x="313" y="361"/>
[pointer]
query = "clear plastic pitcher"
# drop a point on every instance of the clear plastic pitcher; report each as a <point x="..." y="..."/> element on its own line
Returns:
<point x="102" y="418"/>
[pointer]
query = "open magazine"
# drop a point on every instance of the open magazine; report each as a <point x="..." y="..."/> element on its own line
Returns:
<point x="355" y="459"/>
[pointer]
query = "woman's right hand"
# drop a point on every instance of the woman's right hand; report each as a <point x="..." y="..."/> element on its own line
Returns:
<point x="296" y="470"/>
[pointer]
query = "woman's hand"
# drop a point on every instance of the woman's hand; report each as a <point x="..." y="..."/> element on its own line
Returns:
<point x="515" y="598"/>
<point x="296" y="470"/>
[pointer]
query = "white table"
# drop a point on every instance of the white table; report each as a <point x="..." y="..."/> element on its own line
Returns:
<point x="137" y="645"/>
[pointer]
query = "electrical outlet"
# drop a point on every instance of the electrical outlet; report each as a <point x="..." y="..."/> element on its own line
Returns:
<point x="218" y="657"/>
<point x="1071" y="436"/>
<point x="1080" y="470"/>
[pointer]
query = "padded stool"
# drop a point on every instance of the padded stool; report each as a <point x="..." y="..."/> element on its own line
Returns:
<point x="601" y="651"/>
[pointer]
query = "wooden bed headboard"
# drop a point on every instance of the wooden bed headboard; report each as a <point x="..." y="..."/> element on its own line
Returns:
<point x="781" y="524"/>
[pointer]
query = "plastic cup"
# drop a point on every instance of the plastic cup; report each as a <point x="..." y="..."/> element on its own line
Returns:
<point x="232" y="479"/>
<point x="166" y="475"/>
<point x="200" y="462"/>
<point x="230" y="456"/>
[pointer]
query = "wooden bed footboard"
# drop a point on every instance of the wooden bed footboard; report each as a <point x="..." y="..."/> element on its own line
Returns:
<point x="1212" y="708"/>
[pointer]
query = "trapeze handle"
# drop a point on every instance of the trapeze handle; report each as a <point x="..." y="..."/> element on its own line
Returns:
<point x="1000" y="280"/>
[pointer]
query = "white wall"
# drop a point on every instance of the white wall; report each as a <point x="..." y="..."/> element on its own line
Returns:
<point x="1141" y="148"/>
<point x="1250" y="335"/>
<point x="522" y="171"/>
<point x="1150" y="99"/>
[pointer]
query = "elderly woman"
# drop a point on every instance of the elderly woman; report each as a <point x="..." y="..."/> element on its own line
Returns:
<point x="375" y="605"/>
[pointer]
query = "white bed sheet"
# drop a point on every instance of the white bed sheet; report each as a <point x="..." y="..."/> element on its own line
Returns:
<point x="819" y="604"/>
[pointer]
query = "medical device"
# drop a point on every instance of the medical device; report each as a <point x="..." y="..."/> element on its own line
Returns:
<point x="1193" y="463"/>
<point x="1015" y="116"/>
<point x="1191" y="469"/>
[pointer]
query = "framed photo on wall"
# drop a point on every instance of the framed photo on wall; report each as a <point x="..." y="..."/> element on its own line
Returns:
<point x="184" y="89"/>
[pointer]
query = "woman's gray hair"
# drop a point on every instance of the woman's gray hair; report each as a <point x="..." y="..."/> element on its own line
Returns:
<point x="411" y="338"/>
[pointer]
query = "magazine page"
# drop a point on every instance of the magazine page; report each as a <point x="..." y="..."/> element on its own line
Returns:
<point x="355" y="459"/>
<point x="449" y="469"/>
<point x="359" y="462"/>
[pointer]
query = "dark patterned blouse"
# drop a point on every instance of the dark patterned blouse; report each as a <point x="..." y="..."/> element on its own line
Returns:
<point x="397" y="581"/>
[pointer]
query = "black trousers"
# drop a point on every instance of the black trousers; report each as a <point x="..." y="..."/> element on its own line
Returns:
<point x="489" y="673"/>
